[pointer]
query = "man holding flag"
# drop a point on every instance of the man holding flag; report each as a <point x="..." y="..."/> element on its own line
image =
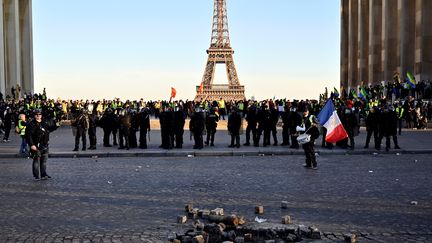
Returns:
<point x="309" y="127"/>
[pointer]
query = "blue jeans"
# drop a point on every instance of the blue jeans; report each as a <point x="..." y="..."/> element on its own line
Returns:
<point x="23" y="148"/>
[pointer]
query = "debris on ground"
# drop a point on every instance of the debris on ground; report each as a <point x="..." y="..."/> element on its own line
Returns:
<point x="217" y="225"/>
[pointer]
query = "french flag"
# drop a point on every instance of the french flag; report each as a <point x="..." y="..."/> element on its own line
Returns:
<point x="329" y="118"/>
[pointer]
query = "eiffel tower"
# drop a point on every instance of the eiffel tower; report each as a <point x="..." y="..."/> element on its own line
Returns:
<point x="220" y="51"/>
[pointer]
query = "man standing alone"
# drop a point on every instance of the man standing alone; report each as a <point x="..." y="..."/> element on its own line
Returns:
<point x="37" y="135"/>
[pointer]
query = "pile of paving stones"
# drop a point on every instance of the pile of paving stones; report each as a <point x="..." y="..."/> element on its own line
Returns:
<point x="213" y="226"/>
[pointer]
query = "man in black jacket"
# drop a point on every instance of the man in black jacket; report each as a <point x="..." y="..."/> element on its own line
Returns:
<point x="234" y="125"/>
<point x="274" y="118"/>
<point x="93" y="120"/>
<point x="109" y="124"/>
<point x="196" y="127"/>
<point x="310" y="126"/>
<point x="37" y="136"/>
<point x="212" y="119"/>
<point x="166" y="120"/>
<point x="179" y="122"/>
<point x="388" y="127"/>
<point x="294" y="119"/>
<point x="372" y="122"/>
<point x="82" y="125"/>
<point x="144" y="127"/>
<point x="264" y="123"/>
<point x="251" y="118"/>
<point x="285" y="127"/>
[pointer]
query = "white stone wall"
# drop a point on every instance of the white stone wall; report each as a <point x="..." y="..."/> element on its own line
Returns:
<point x="16" y="46"/>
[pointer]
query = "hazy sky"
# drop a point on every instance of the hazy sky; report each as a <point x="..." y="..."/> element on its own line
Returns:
<point x="140" y="48"/>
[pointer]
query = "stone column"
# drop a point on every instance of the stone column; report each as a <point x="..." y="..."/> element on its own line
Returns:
<point x="390" y="39"/>
<point x="344" y="43"/>
<point x="363" y="22"/>
<point x="26" y="30"/>
<point x="375" y="41"/>
<point x="406" y="10"/>
<point x="423" y="56"/>
<point x="12" y="44"/>
<point x="353" y="45"/>
<point x="2" y="52"/>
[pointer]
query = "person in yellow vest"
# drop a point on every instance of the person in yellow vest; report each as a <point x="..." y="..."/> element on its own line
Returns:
<point x="400" y="113"/>
<point x="21" y="127"/>
<point x="240" y="107"/>
<point x="222" y="109"/>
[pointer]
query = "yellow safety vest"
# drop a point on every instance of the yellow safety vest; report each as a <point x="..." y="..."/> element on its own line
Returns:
<point x="399" y="112"/>
<point x="22" y="128"/>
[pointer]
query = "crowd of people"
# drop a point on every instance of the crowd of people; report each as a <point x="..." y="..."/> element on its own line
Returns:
<point x="126" y="123"/>
<point x="122" y="120"/>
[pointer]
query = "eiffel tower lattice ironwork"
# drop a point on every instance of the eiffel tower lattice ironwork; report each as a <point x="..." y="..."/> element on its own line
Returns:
<point x="220" y="52"/>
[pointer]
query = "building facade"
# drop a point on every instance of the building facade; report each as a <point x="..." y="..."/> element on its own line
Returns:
<point x="380" y="38"/>
<point x="16" y="47"/>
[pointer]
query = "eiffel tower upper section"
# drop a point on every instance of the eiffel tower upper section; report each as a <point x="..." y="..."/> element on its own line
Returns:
<point x="220" y="51"/>
<point x="220" y="34"/>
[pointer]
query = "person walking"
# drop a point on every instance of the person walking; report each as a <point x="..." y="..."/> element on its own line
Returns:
<point x="37" y="136"/>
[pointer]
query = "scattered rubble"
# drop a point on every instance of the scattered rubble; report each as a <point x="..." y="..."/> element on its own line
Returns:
<point x="207" y="226"/>
<point x="350" y="238"/>
<point x="259" y="210"/>
<point x="286" y="220"/>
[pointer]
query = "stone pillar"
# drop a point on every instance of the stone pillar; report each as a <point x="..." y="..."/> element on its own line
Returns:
<point x="363" y="40"/>
<point x="12" y="44"/>
<point x="406" y="10"/>
<point x="353" y="45"/>
<point x="375" y="42"/>
<point x="2" y="52"/>
<point x="423" y="46"/>
<point x="390" y="39"/>
<point x="26" y="31"/>
<point x="344" y="42"/>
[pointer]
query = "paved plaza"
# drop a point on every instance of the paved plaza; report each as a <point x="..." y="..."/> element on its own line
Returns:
<point x="138" y="199"/>
<point x="109" y="195"/>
